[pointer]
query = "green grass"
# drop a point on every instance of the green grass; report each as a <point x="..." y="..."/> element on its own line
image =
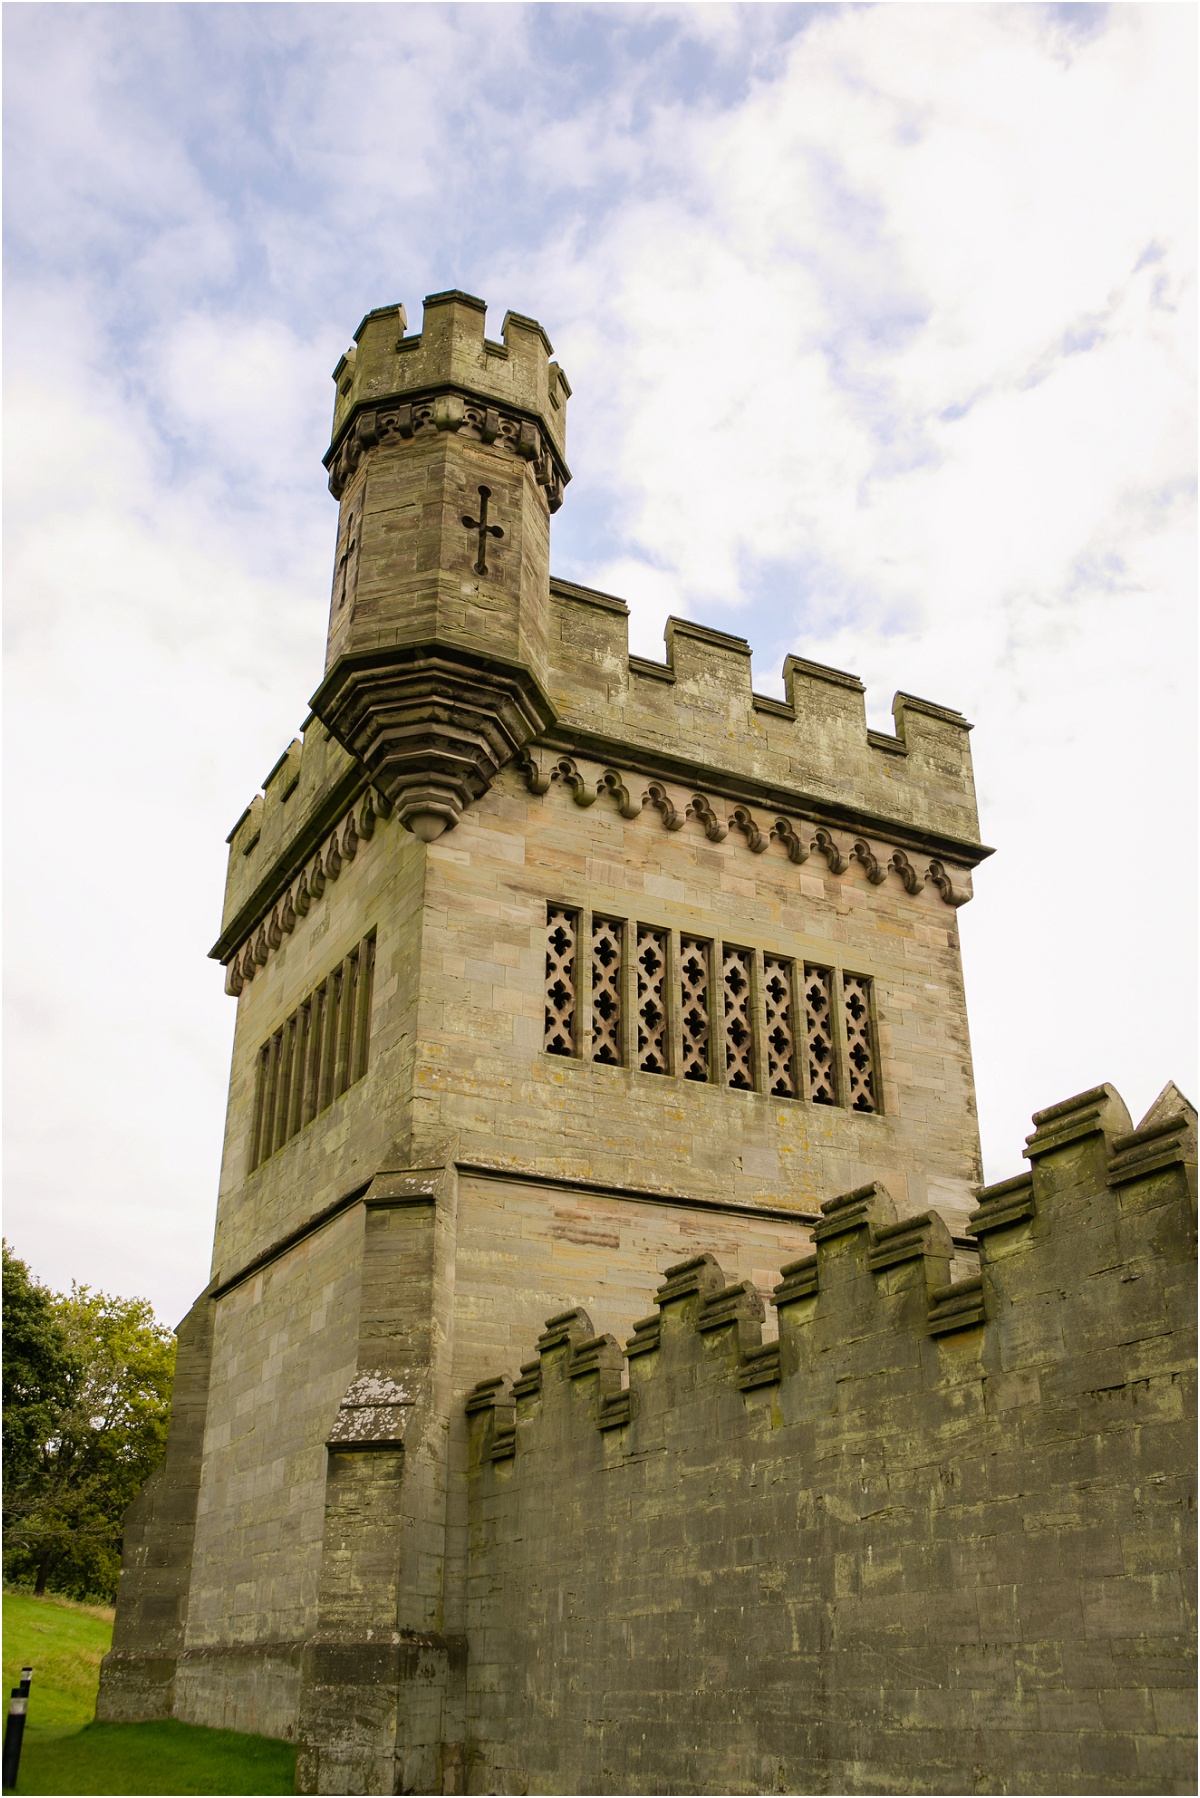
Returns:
<point x="63" y="1642"/>
<point x="66" y="1752"/>
<point x="113" y="1758"/>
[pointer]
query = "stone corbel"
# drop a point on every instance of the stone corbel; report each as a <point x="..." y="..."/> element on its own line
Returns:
<point x="532" y="763"/>
<point x="862" y="852"/>
<point x="657" y="797"/>
<point x="955" y="892"/>
<point x="784" y="831"/>
<point x="714" y="829"/>
<point x="742" y="820"/>
<point x="836" y="860"/>
<point x="900" y="864"/>
<point x="582" y="791"/>
<point x="612" y="784"/>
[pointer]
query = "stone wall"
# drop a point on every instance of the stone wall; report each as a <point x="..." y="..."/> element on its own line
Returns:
<point x="484" y="1080"/>
<point x="285" y="1345"/>
<point x="937" y="1538"/>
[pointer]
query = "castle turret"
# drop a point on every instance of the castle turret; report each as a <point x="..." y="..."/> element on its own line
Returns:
<point x="447" y="459"/>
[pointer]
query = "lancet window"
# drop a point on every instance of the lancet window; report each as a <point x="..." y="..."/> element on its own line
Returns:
<point x="694" y="959"/>
<point x="320" y="1051"/>
<point x="608" y="942"/>
<point x="860" y="1049"/>
<point x="562" y="931"/>
<point x="821" y="1048"/>
<point x="652" y="1051"/>
<point x="737" y="994"/>
<point x="778" y="976"/>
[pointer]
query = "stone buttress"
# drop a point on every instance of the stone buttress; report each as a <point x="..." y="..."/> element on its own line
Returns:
<point x="555" y="968"/>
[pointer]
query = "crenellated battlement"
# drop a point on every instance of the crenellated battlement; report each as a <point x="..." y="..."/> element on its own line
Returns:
<point x="696" y="718"/>
<point x="936" y="1537"/>
<point x="885" y="1280"/>
<point x="900" y="807"/>
<point x="390" y="383"/>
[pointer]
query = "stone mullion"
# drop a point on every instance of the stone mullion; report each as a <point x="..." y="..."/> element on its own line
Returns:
<point x="629" y="995"/>
<point x="797" y="1020"/>
<point x="800" y="1029"/>
<point x="329" y="1040"/>
<point x="279" y="1094"/>
<point x="718" y="1059"/>
<point x="296" y="1080"/>
<point x="286" y="1077"/>
<point x="837" y="1032"/>
<point x="363" y="990"/>
<point x="673" y="1005"/>
<point x="261" y="1076"/>
<point x="312" y="1071"/>
<point x="583" y="984"/>
<point x="873" y="1040"/>
<point x="758" y="1023"/>
<point x="341" y="1078"/>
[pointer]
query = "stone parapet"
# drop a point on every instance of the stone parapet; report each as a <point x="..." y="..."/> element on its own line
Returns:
<point x="971" y="1500"/>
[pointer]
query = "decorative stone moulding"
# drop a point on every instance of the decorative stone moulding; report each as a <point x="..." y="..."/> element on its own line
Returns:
<point x="461" y="414"/>
<point x="432" y="724"/>
<point x="343" y="844"/>
<point x="718" y="818"/>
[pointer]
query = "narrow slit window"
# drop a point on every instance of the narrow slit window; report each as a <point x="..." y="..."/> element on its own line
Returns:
<point x="736" y="967"/>
<point x="860" y="1050"/>
<point x="694" y="957"/>
<point x="320" y="1051"/>
<point x="781" y="1031"/>
<point x="651" y="962"/>
<point x="608" y="940"/>
<point x="822" y="1056"/>
<point x="562" y="931"/>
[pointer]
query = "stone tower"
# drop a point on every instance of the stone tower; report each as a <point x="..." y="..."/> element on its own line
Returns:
<point x="554" y="967"/>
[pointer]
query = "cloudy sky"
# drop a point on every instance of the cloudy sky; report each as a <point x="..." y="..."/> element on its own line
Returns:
<point x="879" y="321"/>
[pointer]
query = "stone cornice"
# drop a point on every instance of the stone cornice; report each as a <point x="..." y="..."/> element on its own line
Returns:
<point x="452" y="408"/>
<point x="800" y="835"/>
<point x="745" y="790"/>
<point x="295" y="885"/>
<point x="324" y="818"/>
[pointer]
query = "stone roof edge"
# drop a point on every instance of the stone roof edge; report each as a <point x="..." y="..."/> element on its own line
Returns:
<point x="747" y="789"/>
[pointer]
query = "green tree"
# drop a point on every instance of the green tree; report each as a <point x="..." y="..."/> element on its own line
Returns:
<point x="37" y="1367"/>
<point x="87" y="1396"/>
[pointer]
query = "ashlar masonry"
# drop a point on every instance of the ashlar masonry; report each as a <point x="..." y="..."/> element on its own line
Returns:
<point x="578" y="987"/>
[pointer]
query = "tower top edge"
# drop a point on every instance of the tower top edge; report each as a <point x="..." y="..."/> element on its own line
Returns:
<point x="387" y="362"/>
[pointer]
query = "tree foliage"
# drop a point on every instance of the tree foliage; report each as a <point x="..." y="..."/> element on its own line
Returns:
<point x="87" y="1393"/>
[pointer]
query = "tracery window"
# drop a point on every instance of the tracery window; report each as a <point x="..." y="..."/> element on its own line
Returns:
<point x="315" y="1055"/>
<point x="748" y="1019"/>
<point x="562" y="930"/>
<point x="608" y="942"/>
<point x="694" y="958"/>
<point x="737" y="992"/>
<point x="860" y="1049"/>
<point x="651" y="959"/>
<point x="781" y="1032"/>
<point x="818" y="1019"/>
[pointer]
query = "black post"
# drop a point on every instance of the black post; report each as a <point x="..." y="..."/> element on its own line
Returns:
<point x="14" y="1728"/>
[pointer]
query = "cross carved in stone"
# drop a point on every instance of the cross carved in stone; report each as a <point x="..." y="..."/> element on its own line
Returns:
<point x="346" y="572"/>
<point x="485" y="529"/>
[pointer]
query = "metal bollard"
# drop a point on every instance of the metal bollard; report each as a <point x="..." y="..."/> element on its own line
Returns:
<point x="14" y="1728"/>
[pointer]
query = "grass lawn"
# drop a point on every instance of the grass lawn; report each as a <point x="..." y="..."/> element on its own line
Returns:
<point x="66" y="1752"/>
